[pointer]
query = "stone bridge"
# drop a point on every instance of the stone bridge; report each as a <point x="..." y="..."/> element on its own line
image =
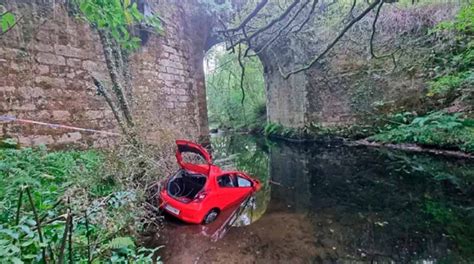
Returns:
<point x="47" y="60"/>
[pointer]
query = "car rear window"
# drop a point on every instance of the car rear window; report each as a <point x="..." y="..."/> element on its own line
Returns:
<point x="242" y="182"/>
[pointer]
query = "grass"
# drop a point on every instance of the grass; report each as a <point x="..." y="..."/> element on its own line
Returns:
<point x="102" y="212"/>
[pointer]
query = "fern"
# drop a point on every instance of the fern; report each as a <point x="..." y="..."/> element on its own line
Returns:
<point x="121" y="242"/>
<point x="436" y="129"/>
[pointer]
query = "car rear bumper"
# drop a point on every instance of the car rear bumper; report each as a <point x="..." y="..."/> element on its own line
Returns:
<point x="188" y="212"/>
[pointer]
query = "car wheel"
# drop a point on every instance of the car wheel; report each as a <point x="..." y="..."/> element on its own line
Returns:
<point x="211" y="216"/>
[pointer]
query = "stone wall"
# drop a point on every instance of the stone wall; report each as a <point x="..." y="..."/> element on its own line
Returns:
<point x="346" y="86"/>
<point x="46" y="64"/>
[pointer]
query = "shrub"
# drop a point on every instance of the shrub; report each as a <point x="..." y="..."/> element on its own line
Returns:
<point x="434" y="129"/>
<point x="65" y="187"/>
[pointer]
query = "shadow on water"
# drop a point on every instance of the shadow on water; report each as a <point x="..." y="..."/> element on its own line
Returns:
<point x="327" y="202"/>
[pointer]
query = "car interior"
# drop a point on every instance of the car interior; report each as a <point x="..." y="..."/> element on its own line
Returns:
<point x="186" y="185"/>
<point x="231" y="180"/>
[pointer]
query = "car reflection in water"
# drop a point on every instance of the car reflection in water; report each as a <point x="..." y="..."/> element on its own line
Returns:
<point x="235" y="216"/>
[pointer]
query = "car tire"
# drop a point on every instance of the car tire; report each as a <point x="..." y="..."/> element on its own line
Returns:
<point x="211" y="216"/>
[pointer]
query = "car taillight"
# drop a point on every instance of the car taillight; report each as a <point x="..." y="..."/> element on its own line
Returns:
<point x="200" y="196"/>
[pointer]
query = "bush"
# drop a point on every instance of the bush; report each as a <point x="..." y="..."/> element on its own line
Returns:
<point x="434" y="129"/>
<point x="453" y="65"/>
<point x="65" y="187"/>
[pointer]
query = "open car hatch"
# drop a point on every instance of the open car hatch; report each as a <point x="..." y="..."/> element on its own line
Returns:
<point x="202" y="166"/>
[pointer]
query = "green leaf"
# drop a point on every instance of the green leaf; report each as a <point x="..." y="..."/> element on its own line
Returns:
<point x="27" y="230"/>
<point x="27" y="243"/>
<point x="8" y="21"/>
<point x="121" y="242"/>
<point x="16" y="260"/>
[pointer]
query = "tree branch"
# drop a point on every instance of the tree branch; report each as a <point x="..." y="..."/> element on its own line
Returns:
<point x="272" y="40"/>
<point x="308" y="17"/>
<point x="102" y="91"/>
<point x="269" y="25"/>
<point x="351" y="12"/>
<point x="114" y="76"/>
<point x="38" y="222"/>
<point x="244" y="22"/>
<point x="242" y="75"/>
<point x="333" y="43"/>
<point x="372" y="37"/>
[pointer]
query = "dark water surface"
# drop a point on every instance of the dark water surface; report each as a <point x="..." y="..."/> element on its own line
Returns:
<point x="325" y="202"/>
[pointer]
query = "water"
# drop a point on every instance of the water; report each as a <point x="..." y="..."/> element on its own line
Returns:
<point x="325" y="202"/>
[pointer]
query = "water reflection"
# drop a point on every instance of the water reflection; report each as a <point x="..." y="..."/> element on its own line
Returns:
<point x="327" y="202"/>
<point x="372" y="204"/>
<point x="247" y="154"/>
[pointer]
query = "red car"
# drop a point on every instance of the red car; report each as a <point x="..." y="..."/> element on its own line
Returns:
<point x="199" y="191"/>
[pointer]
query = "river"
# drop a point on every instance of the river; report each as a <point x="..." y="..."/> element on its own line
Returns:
<point x="325" y="202"/>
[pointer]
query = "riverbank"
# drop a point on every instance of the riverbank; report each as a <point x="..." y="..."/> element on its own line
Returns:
<point x="437" y="133"/>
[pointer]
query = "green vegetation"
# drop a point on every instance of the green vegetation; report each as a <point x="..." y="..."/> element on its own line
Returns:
<point x="226" y="105"/>
<point x="315" y="130"/>
<point x="454" y="66"/>
<point x="434" y="129"/>
<point x="65" y="191"/>
<point x="7" y="20"/>
<point x="453" y="81"/>
<point x="457" y="221"/>
<point x="117" y="17"/>
<point x="278" y="130"/>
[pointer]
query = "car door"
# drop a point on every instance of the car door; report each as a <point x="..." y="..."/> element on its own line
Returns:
<point x="229" y="191"/>
<point x="201" y="165"/>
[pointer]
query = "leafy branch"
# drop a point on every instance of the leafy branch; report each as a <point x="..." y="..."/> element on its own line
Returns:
<point x="8" y="21"/>
<point x="114" y="22"/>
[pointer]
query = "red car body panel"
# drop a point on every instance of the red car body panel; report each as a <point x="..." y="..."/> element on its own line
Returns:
<point x="214" y="195"/>
<point x="188" y="146"/>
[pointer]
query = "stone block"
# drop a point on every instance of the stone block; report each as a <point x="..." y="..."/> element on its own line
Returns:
<point x="75" y="63"/>
<point x="92" y="114"/>
<point x="61" y="115"/>
<point x="69" y="138"/>
<point x="42" y="69"/>
<point x="30" y="92"/>
<point x="180" y="91"/>
<point x="42" y="140"/>
<point x="24" y="107"/>
<point x="169" y="49"/>
<point x="166" y="76"/>
<point x="181" y="105"/>
<point x="48" y="82"/>
<point x="171" y="98"/>
<point x="7" y="89"/>
<point x="166" y="63"/>
<point x="90" y="66"/>
<point x="175" y="58"/>
<point x="69" y="51"/>
<point x="49" y="58"/>
<point x="169" y="105"/>
<point x="184" y="98"/>
<point x="43" y="47"/>
<point x="173" y="70"/>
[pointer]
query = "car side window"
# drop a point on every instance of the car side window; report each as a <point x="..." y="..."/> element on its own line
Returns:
<point x="242" y="182"/>
<point x="226" y="181"/>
